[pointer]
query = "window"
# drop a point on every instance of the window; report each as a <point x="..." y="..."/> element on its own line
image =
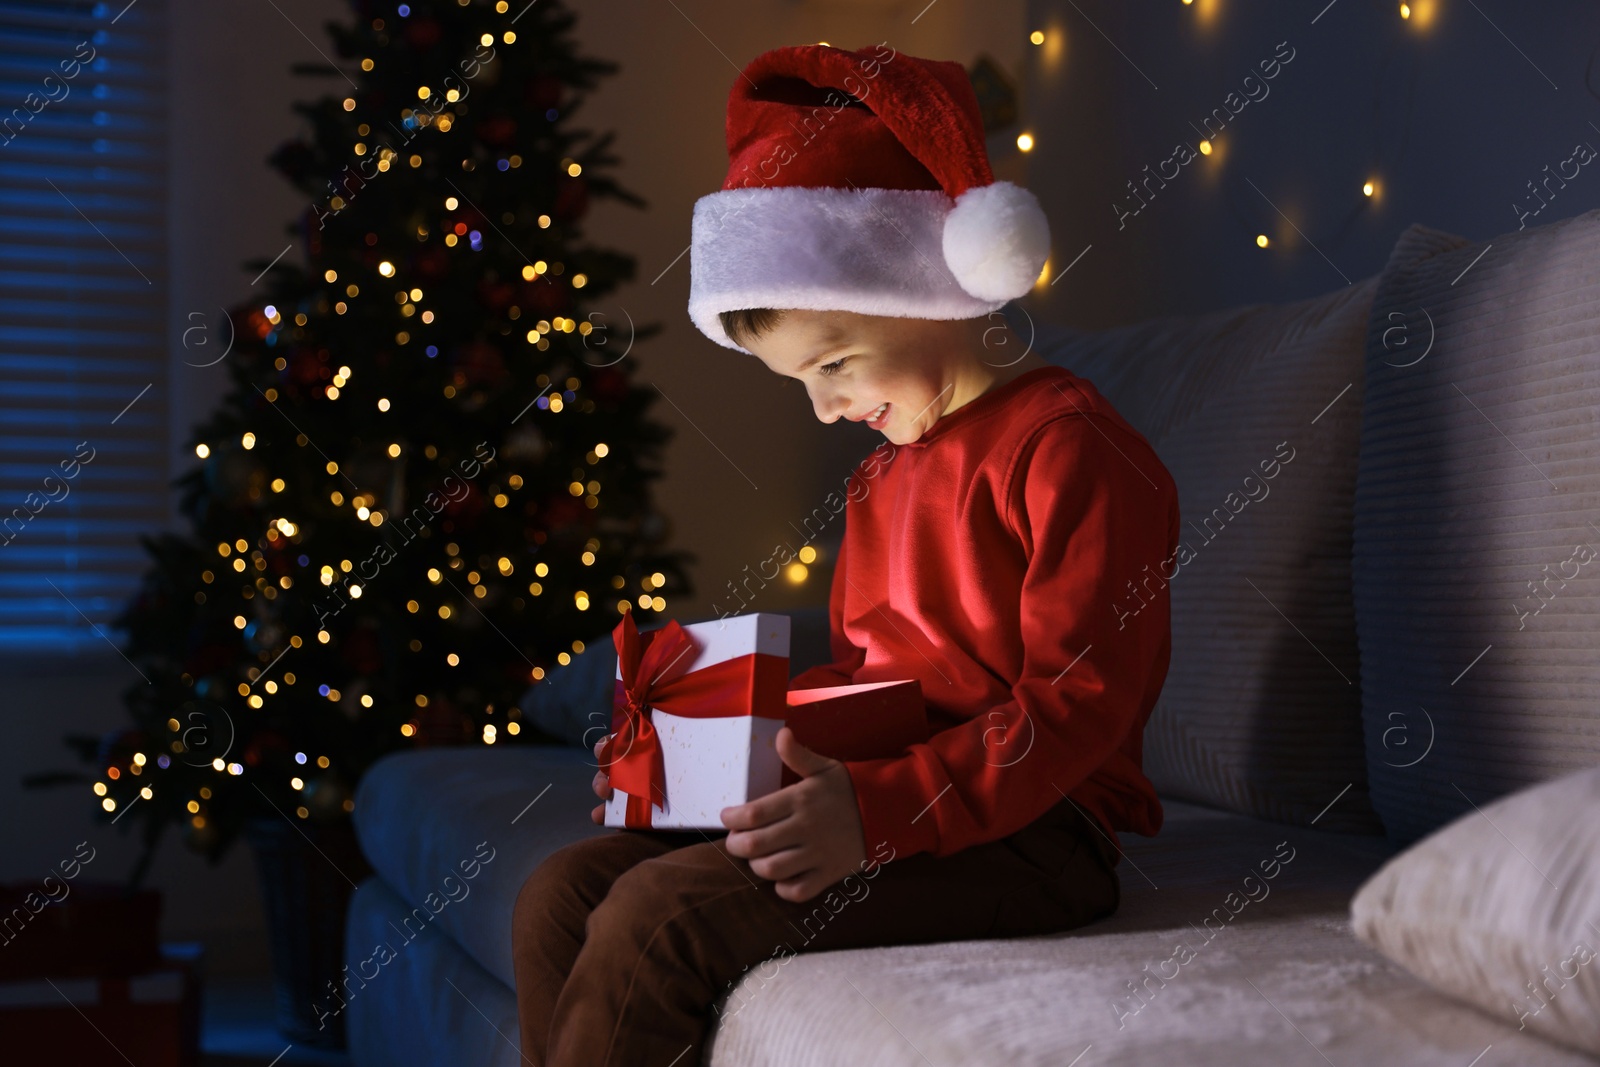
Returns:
<point x="83" y="382"/>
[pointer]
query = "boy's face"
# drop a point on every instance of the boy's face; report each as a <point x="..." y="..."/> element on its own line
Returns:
<point x="895" y="375"/>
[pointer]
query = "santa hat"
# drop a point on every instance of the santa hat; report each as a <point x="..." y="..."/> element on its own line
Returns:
<point x="858" y="181"/>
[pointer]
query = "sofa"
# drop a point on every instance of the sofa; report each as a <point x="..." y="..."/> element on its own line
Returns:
<point x="1368" y="652"/>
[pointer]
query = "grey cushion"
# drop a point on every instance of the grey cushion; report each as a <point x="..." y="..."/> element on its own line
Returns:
<point x="1261" y="711"/>
<point x="1502" y="909"/>
<point x="429" y="1004"/>
<point x="419" y="814"/>
<point x="573" y="702"/>
<point x="1480" y="475"/>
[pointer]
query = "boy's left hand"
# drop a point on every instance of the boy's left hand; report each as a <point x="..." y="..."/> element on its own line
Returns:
<point x="806" y="836"/>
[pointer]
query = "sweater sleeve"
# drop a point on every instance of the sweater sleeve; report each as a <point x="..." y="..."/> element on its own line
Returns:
<point x="1091" y="507"/>
<point x="847" y="658"/>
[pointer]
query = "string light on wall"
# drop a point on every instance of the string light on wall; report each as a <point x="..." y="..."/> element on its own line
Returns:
<point x="1043" y="280"/>
<point x="1245" y="209"/>
<point x="1206" y="13"/>
<point x="1420" y="13"/>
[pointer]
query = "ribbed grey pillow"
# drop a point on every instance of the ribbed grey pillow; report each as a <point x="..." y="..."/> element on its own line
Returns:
<point x="1477" y="581"/>
<point x="1502" y="909"/>
<point x="1256" y="412"/>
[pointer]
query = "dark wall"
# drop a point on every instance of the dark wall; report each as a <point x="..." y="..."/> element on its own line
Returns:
<point x="1452" y="115"/>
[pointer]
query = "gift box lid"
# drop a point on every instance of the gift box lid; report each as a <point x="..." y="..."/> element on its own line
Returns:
<point x="871" y="720"/>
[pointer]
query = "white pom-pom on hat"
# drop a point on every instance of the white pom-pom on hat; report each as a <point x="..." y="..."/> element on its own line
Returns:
<point x="996" y="240"/>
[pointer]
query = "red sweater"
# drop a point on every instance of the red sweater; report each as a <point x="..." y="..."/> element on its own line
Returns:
<point x="1015" y="561"/>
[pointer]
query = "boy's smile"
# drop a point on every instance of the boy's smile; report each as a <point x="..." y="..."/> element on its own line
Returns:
<point x="899" y="376"/>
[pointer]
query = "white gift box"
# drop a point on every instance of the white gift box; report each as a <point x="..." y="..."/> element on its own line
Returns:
<point x="716" y="762"/>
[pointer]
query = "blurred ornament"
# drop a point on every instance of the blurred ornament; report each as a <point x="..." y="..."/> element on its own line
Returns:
<point x="498" y="131"/>
<point x="307" y="367"/>
<point x="563" y="512"/>
<point x="118" y="746"/>
<point x="479" y="364"/>
<point x="310" y="224"/>
<point x="350" y="696"/>
<point x="324" y="796"/>
<point x="572" y="198"/>
<point x="431" y="264"/>
<point x="267" y="747"/>
<point x="609" y="386"/>
<point x="360" y="651"/>
<point x="468" y="216"/>
<point x="294" y="160"/>
<point x="542" y="92"/>
<point x="466" y="509"/>
<point x="441" y="724"/>
<point x="548" y="296"/>
<point x="369" y="465"/>
<point x="233" y="474"/>
<point x="525" y="444"/>
<point x="422" y="33"/>
<point x="253" y="322"/>
<point x="265" y="635"/>
<point x="496" y="296"/>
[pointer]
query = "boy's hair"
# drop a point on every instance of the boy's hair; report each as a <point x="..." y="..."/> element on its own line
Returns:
<point x="741" y="324"/>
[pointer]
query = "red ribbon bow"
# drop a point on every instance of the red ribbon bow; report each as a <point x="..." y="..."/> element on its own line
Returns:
<point x="632" y="754"/>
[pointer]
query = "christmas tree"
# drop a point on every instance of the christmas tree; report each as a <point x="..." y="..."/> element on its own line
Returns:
<point x="429" y="483"/>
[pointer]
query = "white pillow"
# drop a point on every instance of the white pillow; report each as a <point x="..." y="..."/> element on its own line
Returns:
<point x="1501" y="908"/>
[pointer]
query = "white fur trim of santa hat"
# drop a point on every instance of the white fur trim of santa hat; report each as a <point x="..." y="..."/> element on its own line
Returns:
<point x="907" y="253"/>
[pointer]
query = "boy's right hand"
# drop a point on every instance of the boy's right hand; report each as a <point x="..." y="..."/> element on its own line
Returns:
<point x="602" y="786"/>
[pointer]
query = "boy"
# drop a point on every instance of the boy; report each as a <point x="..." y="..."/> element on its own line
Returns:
<point x="992" y="559"/>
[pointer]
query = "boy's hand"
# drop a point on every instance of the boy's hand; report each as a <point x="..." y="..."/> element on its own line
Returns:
<point x="602" y="785"/>
<point x="806" y="836"/>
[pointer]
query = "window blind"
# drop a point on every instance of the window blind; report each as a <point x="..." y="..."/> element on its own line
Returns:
<point x="83" y="420"/>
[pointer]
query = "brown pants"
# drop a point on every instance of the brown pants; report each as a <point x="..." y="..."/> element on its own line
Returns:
<point x="623" y="943"/>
